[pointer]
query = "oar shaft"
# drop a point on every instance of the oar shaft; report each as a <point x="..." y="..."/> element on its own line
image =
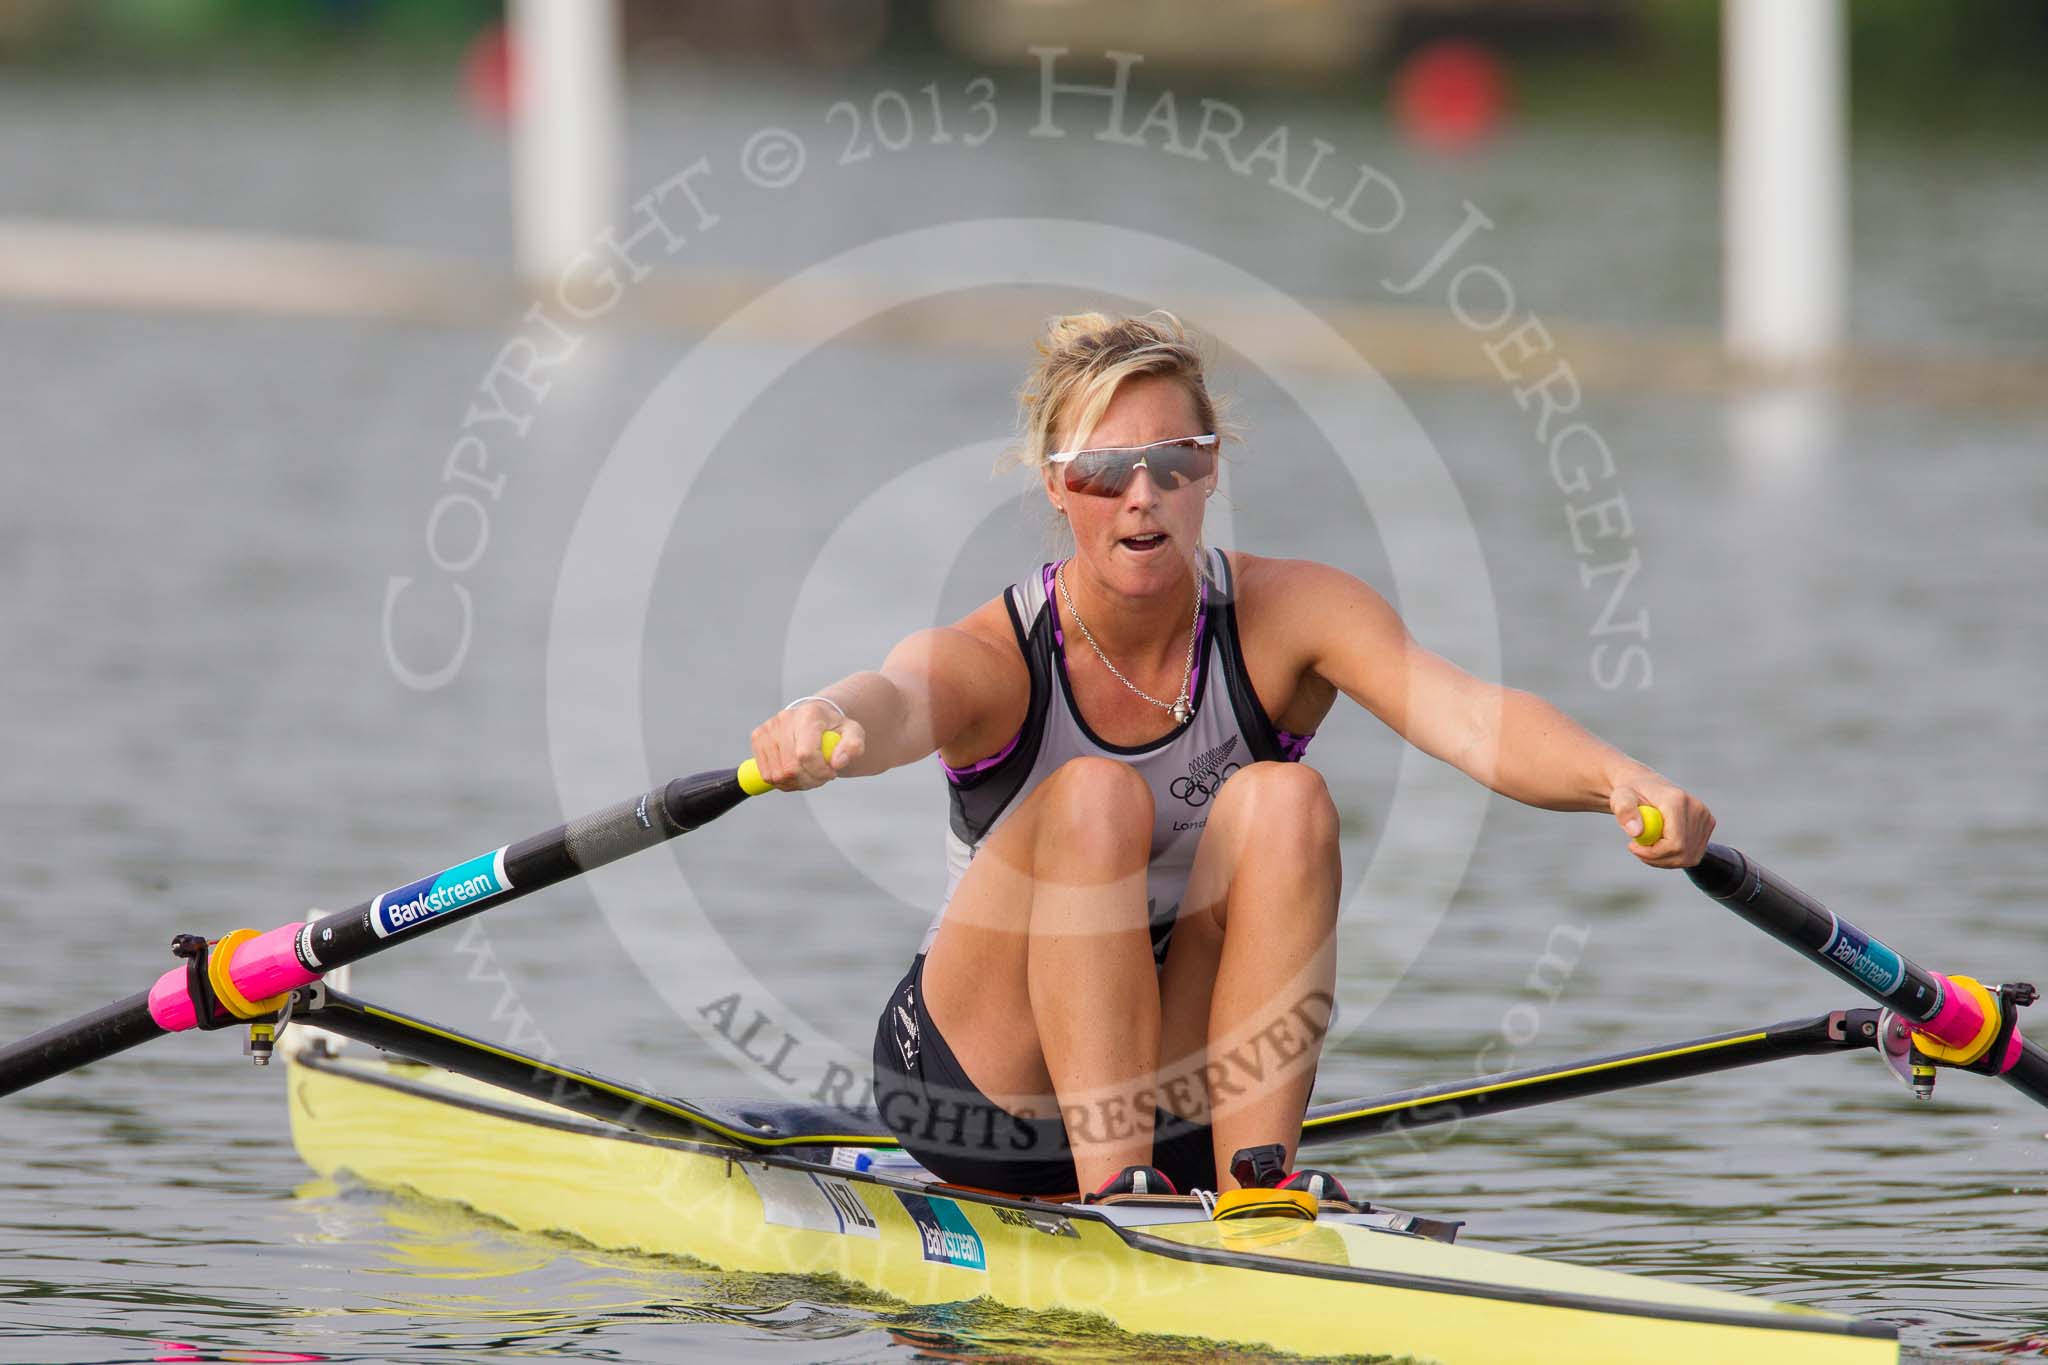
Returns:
<point x="88" y="1038"/>
<point x="1938" y="1007"/>
<point x="292" y="955"/>
<point x="2029" y="1073"/>
<point x="505" y="874"/>
<point x="1456" y="1101"/>
<point x="1803" y="924"/>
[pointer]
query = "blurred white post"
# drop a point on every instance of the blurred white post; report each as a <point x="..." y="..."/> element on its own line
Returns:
<point x="566" y="131"/>
<point x="1784" y="180"/>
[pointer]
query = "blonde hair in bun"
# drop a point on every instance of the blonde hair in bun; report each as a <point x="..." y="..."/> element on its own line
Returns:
<point x="1083" y="357"/>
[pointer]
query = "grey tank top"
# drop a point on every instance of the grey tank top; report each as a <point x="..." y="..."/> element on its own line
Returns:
<point x="1185" y="769"/>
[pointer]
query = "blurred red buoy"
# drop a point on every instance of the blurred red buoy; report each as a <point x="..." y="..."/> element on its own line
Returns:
<point x="487" y="75"/>
<point x="186" y="1352"/>
<point x="1450" y="95"/>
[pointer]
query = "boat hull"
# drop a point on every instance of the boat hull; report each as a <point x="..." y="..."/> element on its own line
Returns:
<point x="1329" y="1287"/>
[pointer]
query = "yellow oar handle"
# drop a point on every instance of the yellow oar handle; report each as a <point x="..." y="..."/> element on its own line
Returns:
<point x="1653" y="825"/>
<point x="750" y="776"/>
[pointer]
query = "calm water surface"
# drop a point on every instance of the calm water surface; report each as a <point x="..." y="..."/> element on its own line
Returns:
<point x="201" y="730"/>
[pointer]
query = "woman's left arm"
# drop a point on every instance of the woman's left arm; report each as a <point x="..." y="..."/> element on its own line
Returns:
<point x="1512" y="741"/>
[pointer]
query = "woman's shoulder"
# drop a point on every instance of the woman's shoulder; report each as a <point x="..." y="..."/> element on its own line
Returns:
<point x="989" y="633"/>
<point x="1267" y="586"/>
<point x="990" y="621"/>
<point x="1271" y="575"/>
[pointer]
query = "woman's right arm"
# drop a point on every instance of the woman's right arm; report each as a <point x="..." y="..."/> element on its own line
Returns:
<point x="948" y="688"/>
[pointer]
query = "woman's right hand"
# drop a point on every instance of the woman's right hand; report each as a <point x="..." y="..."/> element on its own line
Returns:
<point x="789" y="746"/>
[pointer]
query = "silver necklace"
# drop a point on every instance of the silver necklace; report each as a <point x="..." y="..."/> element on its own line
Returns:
<point x="1182" y="706"/>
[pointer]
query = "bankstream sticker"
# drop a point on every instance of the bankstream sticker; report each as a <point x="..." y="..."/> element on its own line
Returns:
<point x="463" y="885"/>
<point x="947" y="1236"/>
<point x="1869" y="961"/>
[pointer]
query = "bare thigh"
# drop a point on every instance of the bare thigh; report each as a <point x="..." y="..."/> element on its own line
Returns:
<point x="1065" y="870"/>
<point x="1258" y="920"/>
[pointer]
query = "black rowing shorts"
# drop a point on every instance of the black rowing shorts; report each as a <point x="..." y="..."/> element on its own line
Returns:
<point x="963" y="1137"/>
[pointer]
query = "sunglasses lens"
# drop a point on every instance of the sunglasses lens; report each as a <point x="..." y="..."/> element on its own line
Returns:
<point x="1179" y="463"/>
<point x="1101" y="473"/>
<point x="1108" y="472"/>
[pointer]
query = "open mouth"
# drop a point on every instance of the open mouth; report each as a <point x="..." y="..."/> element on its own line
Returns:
<point x="1152" y="540"/>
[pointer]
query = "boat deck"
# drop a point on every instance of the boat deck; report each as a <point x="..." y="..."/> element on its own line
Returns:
<point x="1344" y="1284"/>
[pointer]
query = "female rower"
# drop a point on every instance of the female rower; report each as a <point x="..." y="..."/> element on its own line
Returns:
<point x="1128" y="984"/>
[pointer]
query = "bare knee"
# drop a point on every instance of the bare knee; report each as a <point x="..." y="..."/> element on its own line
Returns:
<point x="1098" y="811"/>
<point x="1284" y="807"/>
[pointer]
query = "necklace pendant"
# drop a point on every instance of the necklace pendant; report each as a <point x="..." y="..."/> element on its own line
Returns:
<point x="1181" y="711"/>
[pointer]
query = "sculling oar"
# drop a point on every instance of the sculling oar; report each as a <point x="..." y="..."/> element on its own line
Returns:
<point x="757" y="1125"/>
<point x="249" y="976"/>
<point x="1929" y="1019"/>
<point x="1456" y="1101"/>
<point x="767" y="1125"/>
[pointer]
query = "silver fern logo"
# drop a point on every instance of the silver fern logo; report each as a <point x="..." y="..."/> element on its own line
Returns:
<point x="905" y="1011"/>
<point x="1206" y="773"/>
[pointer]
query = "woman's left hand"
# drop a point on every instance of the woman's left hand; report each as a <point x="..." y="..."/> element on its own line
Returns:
<point x="1688" y="824"/>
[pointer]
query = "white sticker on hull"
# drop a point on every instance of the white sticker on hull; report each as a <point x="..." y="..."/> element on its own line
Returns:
<point x="816" y="1203"/>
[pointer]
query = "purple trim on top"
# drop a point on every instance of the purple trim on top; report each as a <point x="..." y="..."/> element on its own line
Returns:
<point x="1046" y="574"/>
<point x="1292" y="746"/>
<point x="958" y="775"/>
<point x="1052" y="599"/>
